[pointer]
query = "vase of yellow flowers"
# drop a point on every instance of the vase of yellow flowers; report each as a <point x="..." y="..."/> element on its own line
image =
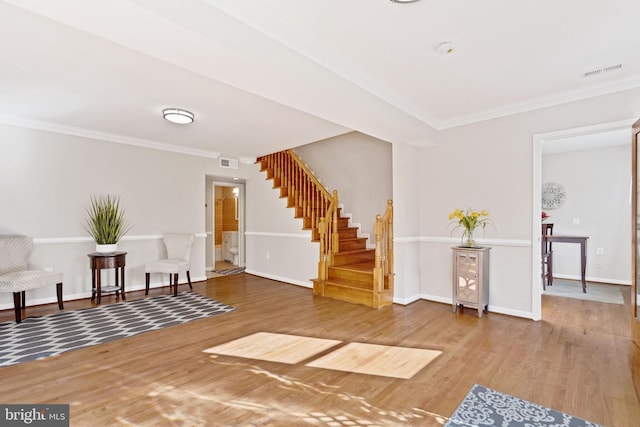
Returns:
<point x="469" y="220"/>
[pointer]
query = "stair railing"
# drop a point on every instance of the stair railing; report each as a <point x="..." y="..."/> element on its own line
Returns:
<point x="383" y="261"/>
<point x="315" y="201"/>
<point x="328" y="233"/>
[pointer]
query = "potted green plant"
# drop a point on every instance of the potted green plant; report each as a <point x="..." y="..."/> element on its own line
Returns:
<point x="106" y="222"/>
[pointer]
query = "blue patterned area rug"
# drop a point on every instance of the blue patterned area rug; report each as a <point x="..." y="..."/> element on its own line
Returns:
<point x="38" y="337"/>
<point x="486" y="407"/>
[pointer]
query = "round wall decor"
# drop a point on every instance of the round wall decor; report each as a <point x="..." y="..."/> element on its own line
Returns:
<point x="553" y="195"/>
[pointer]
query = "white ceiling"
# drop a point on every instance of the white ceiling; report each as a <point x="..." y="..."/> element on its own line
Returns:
<point x="262" y="76"/>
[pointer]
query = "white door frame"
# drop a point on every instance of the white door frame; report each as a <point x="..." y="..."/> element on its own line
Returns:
<point x="538" y="140"/>
<point x="241" y="186"/>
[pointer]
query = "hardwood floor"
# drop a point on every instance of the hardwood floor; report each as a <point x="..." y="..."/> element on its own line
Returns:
<point x="575" y="361"/>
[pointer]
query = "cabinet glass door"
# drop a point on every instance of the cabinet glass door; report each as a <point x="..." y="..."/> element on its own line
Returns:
<point x="467" y="267"/>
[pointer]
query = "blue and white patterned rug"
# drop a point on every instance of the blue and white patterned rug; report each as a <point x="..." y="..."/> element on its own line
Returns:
<point x="38" y="337"/>
<point x="486" y="407"/>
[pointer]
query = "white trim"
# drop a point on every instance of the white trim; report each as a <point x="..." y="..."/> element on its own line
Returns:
<point x="103" y="136"/>
<point x="542" y="102"/>
<point x="436" y="298"/>
<point x="585" y="130"/>
<point x="536" y="147"/>
<point x="593" y="279"/>
<point x="510" y="312"/>
<point x="455" y="240"/>
<point x="285" y="235"/>
<point x="281" y="279"/>
<point x="83" y="239"/>
<point x="492" y="308"/>
<point x="406" y="301"/>
<point x="325" y="59"/>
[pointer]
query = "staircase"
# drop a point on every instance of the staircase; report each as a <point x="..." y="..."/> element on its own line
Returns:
<point x="347" y="269"/>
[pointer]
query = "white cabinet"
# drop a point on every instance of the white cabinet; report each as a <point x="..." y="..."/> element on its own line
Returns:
<point x="229" y="240"/>
<point x="471" y="278"/>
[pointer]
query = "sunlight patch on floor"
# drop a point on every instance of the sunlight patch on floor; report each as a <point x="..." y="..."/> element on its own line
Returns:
<point x="272" y="347"/>
<point x="373" y="359"/>
<point x="361" y="358"/>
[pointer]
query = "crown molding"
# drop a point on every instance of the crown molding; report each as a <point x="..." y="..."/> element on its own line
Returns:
<point x="103" y="136"/>
<point x="543" y="102"/>
<point x="339" y="68"/>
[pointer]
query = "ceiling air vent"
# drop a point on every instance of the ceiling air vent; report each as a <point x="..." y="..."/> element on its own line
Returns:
<point x="228" y="163"/>
<point x="601" y="70"/>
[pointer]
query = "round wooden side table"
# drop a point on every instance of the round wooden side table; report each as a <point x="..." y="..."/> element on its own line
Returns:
<point x="99" y="261"/>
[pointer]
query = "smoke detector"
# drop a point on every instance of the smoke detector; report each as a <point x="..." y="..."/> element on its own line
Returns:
<point x="445" y="48"/>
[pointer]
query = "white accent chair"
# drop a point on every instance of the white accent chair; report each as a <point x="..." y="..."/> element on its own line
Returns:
<point x="178" y="260"/>
<point x="16" y="278"/>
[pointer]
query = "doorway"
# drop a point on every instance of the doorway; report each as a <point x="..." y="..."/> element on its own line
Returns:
<point x="572" y="219"/>
<point x="225" y="226"/>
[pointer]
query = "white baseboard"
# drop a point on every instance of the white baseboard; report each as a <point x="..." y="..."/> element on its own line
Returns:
<point x="593" y="279"/>
<point x="280" y="278"/>
<point x="492" y="308"/>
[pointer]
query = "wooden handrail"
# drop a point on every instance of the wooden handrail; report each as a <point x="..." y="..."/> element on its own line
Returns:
<point x="383" y="261"/>
<point x="308" y="172"/>
<point x="319" y="209"/>
<point x="316" y="202"/>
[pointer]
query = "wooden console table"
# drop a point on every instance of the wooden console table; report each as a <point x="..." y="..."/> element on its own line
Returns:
<point x="99" y="261"/>
<point x="582" y="240"/>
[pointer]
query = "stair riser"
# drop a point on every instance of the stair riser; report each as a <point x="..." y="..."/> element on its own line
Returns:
<point x="346" y="233"/>
<point x="358" y="279"/>
<point x="355" y="296"/>
<point x="343" y="222"/>
<point x="339" y="274"/>
<point x="353" y="258"/>
<point x="353" y="245"/>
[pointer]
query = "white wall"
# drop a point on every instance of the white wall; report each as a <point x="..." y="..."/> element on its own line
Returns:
<point x="489" y="165"/>
<point x="276" y="245"/>
<point x="46" y="179"/>
<point x="45" y="182"/>
<point x="359" y="167"/>
<point x="597" y="183"/>
<point x="407" y="190"/>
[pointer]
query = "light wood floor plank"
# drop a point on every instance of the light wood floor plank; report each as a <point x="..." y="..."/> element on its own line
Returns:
<point x="575" y="361"/>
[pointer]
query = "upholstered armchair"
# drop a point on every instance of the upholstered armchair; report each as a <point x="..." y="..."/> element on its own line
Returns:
<point x="178" y="260"/>
<point x="15" y="276"/>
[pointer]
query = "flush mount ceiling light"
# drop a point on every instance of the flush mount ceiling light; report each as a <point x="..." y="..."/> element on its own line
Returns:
<point x="404" y="1"/>
<point x="176" y="115"/>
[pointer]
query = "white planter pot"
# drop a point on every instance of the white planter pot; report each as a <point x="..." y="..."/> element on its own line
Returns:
<point x="106" y="248"/>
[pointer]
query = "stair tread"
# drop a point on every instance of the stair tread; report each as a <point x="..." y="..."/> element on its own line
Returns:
<point x="356" y="251"/>
<point x="350" y="284"/>
<point x="360" y="266"/>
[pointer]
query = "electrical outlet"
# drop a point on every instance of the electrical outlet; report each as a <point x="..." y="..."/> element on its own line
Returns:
<point x="600" y="251"/>
<point x="48" y="269"/>
<point x="267" y="256"/>
<point x="576" y="221"/>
